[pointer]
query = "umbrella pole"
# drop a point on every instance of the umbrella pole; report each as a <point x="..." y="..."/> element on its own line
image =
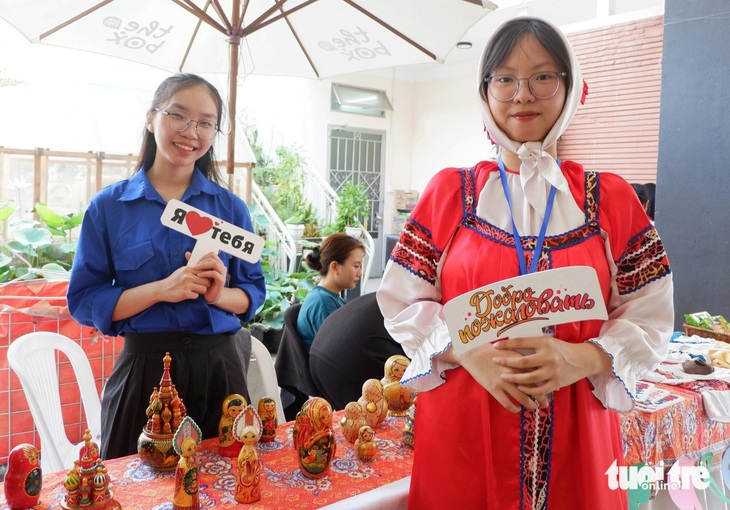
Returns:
<point x="234" y="38"/>
<point x="232" y="86"/>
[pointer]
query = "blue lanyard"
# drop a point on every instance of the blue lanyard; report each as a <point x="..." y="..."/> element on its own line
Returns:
<point x="518" y="240"/>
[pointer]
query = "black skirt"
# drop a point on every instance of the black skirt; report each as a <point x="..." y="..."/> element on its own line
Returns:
<point x="205" y="369"/>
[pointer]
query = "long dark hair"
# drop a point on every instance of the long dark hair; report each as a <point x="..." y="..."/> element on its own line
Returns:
<point x="168" y="88"/>
<point x="510" y="34"/>
<point x="334" y="248"/>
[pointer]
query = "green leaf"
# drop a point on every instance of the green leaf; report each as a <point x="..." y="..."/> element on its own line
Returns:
<point x="49" y="217"/>
<point x="6" y="274"/>
<point x="74" y="220"/>
<point x="5" y="260"/>
<point x="68" y="247"/>
<point x="23" y="273"/>
<point x="6" y="212"/>
<point x="56" y="232"/>
<point x="37" y="238"/>
<point x="52" y="266"/>
<point x="23" y="248"/>
<point x="53" y="269"/>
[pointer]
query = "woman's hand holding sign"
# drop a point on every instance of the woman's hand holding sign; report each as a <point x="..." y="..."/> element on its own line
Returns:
<point x="479" y="362"/>
<point x="211" y="267"/>
<point x="552" y="364"/>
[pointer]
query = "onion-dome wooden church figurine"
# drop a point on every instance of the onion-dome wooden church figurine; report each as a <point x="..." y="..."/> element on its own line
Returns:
<point x="87" y="483"/>
<point x="165" y="413"/>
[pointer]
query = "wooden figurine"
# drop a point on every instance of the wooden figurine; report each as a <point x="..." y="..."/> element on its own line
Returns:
<point x="373" y="402"/>
<point x="365" y="444"/>
<point x="186" y="441"/>
<point x="165" y="413"/>
<point x="247" y="429"/>
<point x="267" y="413"/>
<point x="23" y="479"/>
<point x="351" y="421"/>
<point x="314" y="438"/>
<point x="232" y="407"/>
<point x="87" y="483"/>
<point x="399" y="397"/>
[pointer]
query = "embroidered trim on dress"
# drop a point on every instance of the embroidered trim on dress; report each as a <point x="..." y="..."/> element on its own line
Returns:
<point x="416" y="253"/>
<point x="535" y="457"/>
<point x="643" y="262"/>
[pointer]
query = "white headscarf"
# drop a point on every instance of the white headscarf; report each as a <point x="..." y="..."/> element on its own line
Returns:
<point x="537" y="165"/>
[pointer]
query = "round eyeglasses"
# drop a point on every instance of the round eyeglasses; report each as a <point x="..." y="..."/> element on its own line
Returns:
<point x="180" y="121"/>
<point x="542" y="85"/>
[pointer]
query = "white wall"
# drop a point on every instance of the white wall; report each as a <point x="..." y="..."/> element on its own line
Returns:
<point x="434" y="123"/>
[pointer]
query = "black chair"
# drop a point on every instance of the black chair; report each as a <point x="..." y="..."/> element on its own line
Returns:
<point x="292" y="364"/>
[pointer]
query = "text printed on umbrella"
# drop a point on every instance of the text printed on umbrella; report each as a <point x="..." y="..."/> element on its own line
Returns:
<point x="135" y="35"/>
<point x="355" y="45"/>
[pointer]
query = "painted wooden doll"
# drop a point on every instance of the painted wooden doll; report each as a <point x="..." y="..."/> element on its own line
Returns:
<point x="314" y="437"/>
<point x="267" y="413"/>
<point x="365" y="446"/>
<point x="247" y="429"/>
<point x="185" y="442"/>
<point x="232" y="407"/>
<point x="399" y="397"/>
<point x="373" y="402"/>
<point x="23" y="480"/>
<point x="351" y="421"/>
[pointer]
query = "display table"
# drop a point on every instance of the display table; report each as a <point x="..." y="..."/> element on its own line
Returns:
<point x="282" y="484"/>
<point x="675" y="431"/>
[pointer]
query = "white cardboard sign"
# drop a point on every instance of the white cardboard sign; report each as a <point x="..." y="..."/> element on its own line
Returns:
<point x="522" y="306"/>
<point x="212" y="234"/>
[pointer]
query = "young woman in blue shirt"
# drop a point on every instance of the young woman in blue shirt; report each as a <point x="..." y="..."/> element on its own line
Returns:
<point x="130" y="275"/>
<point x="339" y="260"/>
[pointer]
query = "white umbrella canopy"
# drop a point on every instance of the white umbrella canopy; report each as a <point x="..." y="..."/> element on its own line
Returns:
<point x="306" y="38"/>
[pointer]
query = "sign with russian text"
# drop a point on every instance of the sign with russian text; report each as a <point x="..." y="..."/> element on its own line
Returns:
<point x="523" y="306"/>
<point x="211" y="233"/>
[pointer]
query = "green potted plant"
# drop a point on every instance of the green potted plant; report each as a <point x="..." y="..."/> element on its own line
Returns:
<point x="307" y="218"/>
<point x="283" y="289"/>
<point x="353" y="205"/>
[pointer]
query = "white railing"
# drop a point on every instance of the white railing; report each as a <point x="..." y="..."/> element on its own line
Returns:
<point x="323" y="198"/>
<point x="276" y="232"/>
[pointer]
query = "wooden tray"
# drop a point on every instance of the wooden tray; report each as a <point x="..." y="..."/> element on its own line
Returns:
<point x="707" y="333"/>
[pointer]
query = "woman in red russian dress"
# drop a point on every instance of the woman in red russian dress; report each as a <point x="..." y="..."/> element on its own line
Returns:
<point x="533" y="431"/>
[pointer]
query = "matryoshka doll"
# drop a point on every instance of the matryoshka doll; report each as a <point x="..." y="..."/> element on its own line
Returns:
<point x="247" y="429"/>
<point x="314" y="438"/>
<point x="232" y="407"/>
<point x="23" y="480"/>
<point x="185" y="442"/>
<point x="365" y="444"/>
<point x="267" y="413"/>
<point x="351" y="421"/>
<point x="373" y="402"/>
<point x="399" y="397"/>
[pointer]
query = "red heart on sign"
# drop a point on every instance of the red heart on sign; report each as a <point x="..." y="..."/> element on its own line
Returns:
<point x="197" y="224"/>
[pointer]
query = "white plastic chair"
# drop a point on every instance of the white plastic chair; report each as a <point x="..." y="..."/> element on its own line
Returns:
<point x="261" y="378"/>
<point x="33" y="358"/>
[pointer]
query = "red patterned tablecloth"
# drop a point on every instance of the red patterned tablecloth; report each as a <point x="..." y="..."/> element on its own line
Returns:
<point x="136" y="486"/>
<point x="664" y="435"/>
<point x="669" y="433"/>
